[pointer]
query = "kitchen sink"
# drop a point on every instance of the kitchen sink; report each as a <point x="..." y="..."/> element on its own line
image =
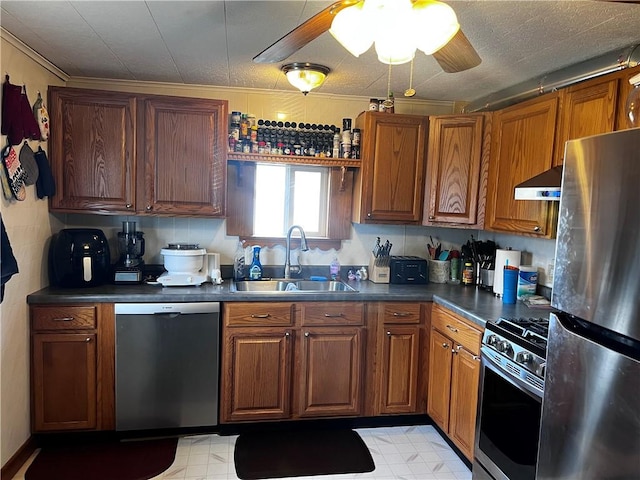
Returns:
<point x="290" y="286"/>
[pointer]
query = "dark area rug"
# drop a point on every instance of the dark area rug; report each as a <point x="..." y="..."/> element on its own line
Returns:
<point x="297" y="453"/>
<point x="113" y="460"/>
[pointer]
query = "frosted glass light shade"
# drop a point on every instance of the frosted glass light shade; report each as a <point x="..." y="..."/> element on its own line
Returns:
<point x="352" y="29"/>
<point x="305" y="76"/>
<point x="435" y="23"/>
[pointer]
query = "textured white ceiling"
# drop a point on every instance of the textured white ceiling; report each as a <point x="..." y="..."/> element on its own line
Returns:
<point x="213" y="42"/>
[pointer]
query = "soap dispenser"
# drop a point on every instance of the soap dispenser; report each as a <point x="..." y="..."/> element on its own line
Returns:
<point x="255" y="270"/>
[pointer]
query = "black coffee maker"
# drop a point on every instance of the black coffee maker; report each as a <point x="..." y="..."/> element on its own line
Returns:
<point x="128" y="269"/>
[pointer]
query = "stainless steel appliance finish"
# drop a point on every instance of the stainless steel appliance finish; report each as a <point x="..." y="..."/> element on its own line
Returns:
<point x="591" y="413"/>
<point x="167" y="365"/>
<point x="513" y="356"/>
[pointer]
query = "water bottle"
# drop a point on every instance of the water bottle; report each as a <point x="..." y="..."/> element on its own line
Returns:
<point x="238" y="263"/>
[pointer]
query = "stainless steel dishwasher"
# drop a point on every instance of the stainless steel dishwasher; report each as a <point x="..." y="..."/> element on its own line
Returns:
<point x="167" y="365"/>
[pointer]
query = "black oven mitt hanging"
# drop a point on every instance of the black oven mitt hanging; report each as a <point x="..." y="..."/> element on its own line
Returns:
<point x="45" y="185"/>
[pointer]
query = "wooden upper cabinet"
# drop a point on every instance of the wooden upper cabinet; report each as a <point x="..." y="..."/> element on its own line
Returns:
<point x="457" y="168"/>
<point x="92" y="150"/>
<point x="185" y="156"/>
<point x="587" y="108"/>
<point x="522" y="146"/>
<point x="390" y="184"/>
<point x="624" y="88"/>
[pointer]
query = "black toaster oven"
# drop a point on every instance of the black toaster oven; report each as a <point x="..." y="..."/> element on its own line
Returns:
<point x="408" y="270"/>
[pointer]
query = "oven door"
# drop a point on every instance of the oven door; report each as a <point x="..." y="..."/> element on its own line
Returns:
<point x="508" y="425"/>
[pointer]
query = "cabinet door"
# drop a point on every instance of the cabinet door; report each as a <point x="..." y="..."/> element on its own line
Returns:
<point x="185" y="156"/>
<point x="439" y="379"/>
<point x="588" y="108"/>
<point x="453" y="169"/>
<point x="92" y="150"/>
<point x="64" y="381"/>
<point x="256" y="375"/>
<point x="330" y="372"/>
<point x="390" y="184"/>
<point x="522" y="147"/>
<point x="399" y="380"/>
<point x="465" y="380"/>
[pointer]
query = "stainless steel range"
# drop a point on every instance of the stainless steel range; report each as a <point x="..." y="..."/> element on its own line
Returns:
<point x="512" y="384"/>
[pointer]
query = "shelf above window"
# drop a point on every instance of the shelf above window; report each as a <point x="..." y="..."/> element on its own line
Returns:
<point x="292" y="160"/>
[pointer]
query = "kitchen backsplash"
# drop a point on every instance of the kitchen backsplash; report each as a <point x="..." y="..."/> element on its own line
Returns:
<point x="407" y="240"/>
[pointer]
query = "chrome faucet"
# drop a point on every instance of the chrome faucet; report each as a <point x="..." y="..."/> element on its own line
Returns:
<point x="288" y="268"/>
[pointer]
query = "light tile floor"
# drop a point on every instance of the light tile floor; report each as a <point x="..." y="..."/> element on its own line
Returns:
<point x="399" y="453"/>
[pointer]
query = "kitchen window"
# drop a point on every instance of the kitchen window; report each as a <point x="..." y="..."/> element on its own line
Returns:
<point x="265" y="199"/>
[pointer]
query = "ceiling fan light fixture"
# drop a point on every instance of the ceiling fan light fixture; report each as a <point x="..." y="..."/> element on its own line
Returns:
<point x="352" y="29"/>
<point x="435" y="24"/>
<point x="305" y="76"/>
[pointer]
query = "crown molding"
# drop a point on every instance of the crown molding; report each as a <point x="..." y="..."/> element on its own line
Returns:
<point x="32" y="54"/>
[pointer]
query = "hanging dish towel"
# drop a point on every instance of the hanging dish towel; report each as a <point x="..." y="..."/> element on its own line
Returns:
<point x="45" y="185"/>
<point x="28" y="162"/>
<point x="8" y="263"/>
<point x="42" y="117"/>
<point x="11" y="112"/>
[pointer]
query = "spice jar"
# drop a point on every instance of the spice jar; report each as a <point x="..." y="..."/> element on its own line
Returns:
<point x="468" y="273"/>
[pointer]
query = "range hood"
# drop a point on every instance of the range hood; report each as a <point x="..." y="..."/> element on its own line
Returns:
<point x="544" y="186"/>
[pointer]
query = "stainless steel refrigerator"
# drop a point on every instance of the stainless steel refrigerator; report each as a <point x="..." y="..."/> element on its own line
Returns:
<point x="590" y="425"/>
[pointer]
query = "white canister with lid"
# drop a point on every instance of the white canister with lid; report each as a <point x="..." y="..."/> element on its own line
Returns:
<point x="504" y="257"/>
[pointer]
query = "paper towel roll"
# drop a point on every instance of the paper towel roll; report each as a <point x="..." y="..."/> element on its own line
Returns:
<point x="502" y="257"/>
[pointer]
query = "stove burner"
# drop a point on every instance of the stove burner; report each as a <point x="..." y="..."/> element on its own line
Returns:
<point x="526" y="332"/>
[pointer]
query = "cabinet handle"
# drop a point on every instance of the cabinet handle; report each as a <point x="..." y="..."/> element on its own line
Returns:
<point x="536" y="228"/>
<point x="369" y="215"/>
<point x="401" y="314"/>
<point x="453" y="329"/>
<point x="306" y="334"/>
<point x="459" y="347"/>
<point x="260" y="315"/>
<point x="445" y="345"/>
<point x="148" y="208"/>
<point x="476" y="357"/>
<point x="63" y="319"/>
<point x="88" y="339"/>
<point x="334" y="315"/>
<point x="287" y="334"/>
<point x="431" y="217"/>
<point x="128" y="205"/>
<point x="388" y="334"/>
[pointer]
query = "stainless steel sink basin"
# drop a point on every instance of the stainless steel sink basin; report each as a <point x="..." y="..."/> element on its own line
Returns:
<point x="290" y="286"/>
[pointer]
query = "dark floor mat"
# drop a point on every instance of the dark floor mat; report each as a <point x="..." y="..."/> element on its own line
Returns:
<point x="299" y="453"/>
<point x="132" y="460"/>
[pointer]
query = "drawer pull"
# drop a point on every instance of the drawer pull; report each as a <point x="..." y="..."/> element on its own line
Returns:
<point x="88" y="339"/>
<point x="401" y="314"/>
<point x="453" y="329"/>
<point x="476" y="357"/>
<point x="334" y="315"/>
<point x="445" y="345"/>
<point x="63" y="319"/>
<point x="260" y="315"/>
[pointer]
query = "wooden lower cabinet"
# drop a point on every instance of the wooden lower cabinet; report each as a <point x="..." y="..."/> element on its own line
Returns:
<point x="454" y="375"/>
<point x="285" y="361"/>
<point x="72" y="367"/>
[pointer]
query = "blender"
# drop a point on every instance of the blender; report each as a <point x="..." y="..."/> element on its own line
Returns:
<point x="128" y="269"/>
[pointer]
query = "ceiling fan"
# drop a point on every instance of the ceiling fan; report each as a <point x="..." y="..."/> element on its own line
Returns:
<point x="455" y="56"/>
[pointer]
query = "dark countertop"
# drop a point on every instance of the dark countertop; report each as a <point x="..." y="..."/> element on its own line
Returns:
<point x="473" y="303"/>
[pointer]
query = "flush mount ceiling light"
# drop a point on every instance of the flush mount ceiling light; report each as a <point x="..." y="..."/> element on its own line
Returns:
<point x="305" y="76"/>
<point x="396" y="27"/>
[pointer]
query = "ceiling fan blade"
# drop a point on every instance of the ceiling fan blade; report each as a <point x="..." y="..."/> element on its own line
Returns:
<point x="457" y="55"/>
<point x="302" y="34"/>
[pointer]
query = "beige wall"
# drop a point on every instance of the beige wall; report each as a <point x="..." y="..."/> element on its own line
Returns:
<point x="29" y="226"/>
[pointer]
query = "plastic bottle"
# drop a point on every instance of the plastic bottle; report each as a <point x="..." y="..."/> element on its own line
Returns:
<point x="238" y="262"/>
<point x="334" y="269"/>
<point x="255" y="270"/>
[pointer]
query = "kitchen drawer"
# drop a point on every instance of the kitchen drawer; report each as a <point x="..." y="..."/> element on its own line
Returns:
<point x="63" y="318"/>
<point x="401" y="313"/>
<point x="258" y="314"/>
<point x="457" y="329"/>
<point x="333" y="313"/>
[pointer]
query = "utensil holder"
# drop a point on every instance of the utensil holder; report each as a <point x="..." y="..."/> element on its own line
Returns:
<point x="377" y="273"/>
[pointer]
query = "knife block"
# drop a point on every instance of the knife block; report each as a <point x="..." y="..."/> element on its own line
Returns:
<point x="378" y="274"/>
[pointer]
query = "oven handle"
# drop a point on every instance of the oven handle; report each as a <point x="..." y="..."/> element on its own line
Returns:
<point x="515" y="381"/>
